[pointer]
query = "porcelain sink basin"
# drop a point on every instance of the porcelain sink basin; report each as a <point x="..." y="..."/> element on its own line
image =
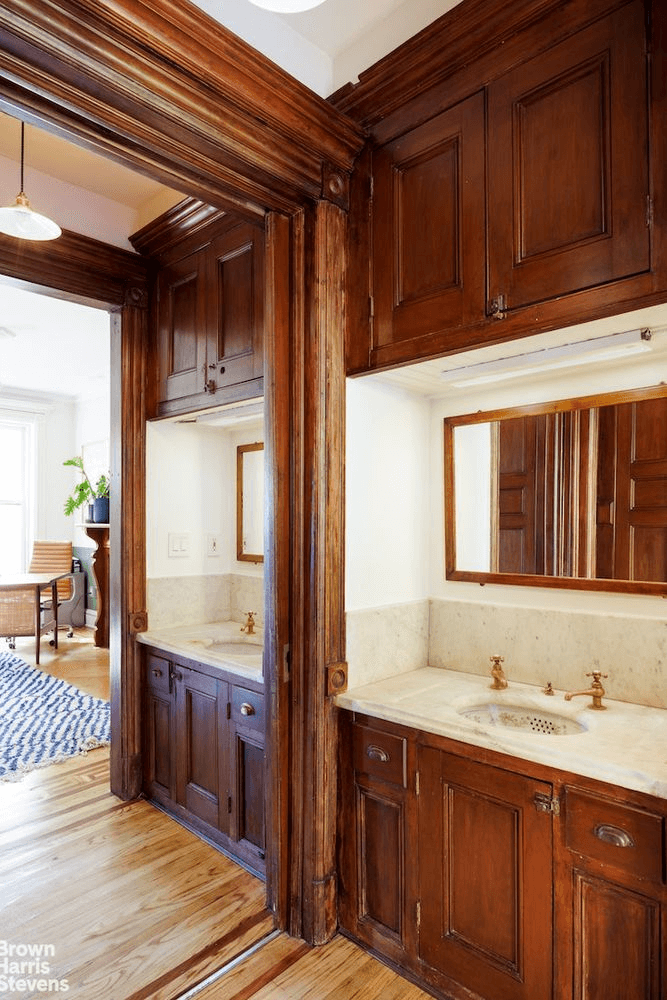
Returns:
<point x="523" y="718"/>
<point x="235" y="647"/>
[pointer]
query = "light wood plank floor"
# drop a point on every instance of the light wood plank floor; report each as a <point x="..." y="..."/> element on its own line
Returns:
<point x="133" y="906"/>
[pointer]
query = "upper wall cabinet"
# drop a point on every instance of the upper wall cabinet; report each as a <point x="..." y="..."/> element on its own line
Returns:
<point x="568" y="166"/>
<point x="515" y="194"/>
<point x="208" y="307"/>
<point x="428" y="226"/>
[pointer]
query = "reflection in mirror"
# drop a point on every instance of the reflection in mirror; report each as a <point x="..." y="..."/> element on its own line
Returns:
<point x="572" y="493"/>
<point x="250" y="502"/>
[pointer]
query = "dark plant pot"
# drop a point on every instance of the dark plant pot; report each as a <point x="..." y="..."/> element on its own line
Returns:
<point x="101" y="510"/>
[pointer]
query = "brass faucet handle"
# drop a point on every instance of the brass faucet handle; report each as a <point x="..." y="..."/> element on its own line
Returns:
<point x="496" y="660"/>
<point x="499" y="679"/>
<point x="596" y="675"/>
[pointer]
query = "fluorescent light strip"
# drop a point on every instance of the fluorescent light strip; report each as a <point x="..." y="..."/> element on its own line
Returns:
<point x="550" y="358"/>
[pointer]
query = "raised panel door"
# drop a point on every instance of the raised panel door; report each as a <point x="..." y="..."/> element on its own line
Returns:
<point x="485" y="877"/>
<point x="428" y="229"/>
<point x="568" y="170"/>
<point x="236" y="306"/>
<point x="181" y="328"/>
<point x="247" y="806"/>
<point x="202" y="785"/>
<point x="616" y="942"/>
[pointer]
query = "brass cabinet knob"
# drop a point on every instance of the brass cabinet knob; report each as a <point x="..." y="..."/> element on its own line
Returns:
<point x="247" y="709"/>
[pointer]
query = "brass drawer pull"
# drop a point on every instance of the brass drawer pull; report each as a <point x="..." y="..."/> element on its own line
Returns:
<point x="156" y="672"/>
<point x="614" y="835"/>
<point x="377" y="753"/>
<point x="247" y="709"/>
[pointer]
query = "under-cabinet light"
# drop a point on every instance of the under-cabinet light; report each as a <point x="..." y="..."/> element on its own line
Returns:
<point x="581" y="352"/>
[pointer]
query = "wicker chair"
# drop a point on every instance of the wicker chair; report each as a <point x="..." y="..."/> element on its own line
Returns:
<point x="17" y="605"/>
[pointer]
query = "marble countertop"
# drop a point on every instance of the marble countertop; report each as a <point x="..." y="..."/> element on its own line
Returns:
<point x="210" y="644"/>
<point x="626" y="745"/>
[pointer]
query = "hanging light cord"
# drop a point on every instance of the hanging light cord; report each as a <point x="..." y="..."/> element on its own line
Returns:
<point x="22" y="152"/>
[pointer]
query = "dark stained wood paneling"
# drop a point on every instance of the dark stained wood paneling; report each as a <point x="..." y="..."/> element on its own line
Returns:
<point x="617" y="935"/>
<point x="485" y="877"/>
<point x="180" y="320"/>
<point x="428" y="228"/>
<point x="381" y="865"/>
<point x="199" y="749"/>
<point x="568" y="185"/>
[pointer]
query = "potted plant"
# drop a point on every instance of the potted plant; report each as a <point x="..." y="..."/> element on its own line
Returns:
<point x="84" y="492"/>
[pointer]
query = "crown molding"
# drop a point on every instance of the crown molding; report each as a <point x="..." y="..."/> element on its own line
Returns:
<point x="168" y="91"/>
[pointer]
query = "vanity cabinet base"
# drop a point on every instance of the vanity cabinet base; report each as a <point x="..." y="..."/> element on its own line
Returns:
<point x="488" y="877"/>
<point x="203" y="737"/>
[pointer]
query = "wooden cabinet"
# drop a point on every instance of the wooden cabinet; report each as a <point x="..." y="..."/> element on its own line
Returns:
<point x="523" y="198"/>
<point x="207" y="308"/>
<point x="568" y="174"/>
<point x="485" y="878"/>
<point x="484" y="875"/>
<point x="613" y="901"/>
<point x="428" y="227"/>
<point x="204" y="752"/>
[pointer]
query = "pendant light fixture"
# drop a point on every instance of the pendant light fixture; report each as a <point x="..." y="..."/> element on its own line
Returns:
<point x="287" y="6"/>
<point x="19" y="220"/>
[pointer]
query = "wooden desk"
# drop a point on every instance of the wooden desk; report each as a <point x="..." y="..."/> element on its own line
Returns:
<point x="36" y="582"/>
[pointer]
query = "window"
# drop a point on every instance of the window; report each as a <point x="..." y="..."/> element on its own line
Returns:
<point x="16" y="492"/>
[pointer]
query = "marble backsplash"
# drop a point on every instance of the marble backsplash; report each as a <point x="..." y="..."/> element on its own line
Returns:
<point x="197" y="600"/>
<point x="538" y="645"/>
<point x="384" y="641"/>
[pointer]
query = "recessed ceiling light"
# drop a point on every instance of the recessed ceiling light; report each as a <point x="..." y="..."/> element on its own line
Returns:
<point x="287" y="6"/>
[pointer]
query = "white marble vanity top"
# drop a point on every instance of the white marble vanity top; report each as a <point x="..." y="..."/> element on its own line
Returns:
<point x="625" y="745"/>
<point x="198" y="642"/>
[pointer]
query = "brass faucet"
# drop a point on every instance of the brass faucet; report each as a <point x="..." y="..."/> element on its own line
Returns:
<point x="249" y="627"/>
<point x="499" y="679"/>
<point x="596" y="691"/>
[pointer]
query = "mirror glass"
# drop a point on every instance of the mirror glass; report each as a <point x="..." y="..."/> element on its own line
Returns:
<point x="571" y="493"/>
<point x="250" y="502"/>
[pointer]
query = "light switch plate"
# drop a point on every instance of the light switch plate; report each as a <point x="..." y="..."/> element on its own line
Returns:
<point x="179" y="544"/>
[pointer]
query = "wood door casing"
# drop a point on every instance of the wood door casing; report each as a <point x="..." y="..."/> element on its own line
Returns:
<point x="485" y="877"/>
<point x="568" y="174"/>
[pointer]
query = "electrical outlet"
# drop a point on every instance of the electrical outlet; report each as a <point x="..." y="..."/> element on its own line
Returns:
<point x="213" y="545"/>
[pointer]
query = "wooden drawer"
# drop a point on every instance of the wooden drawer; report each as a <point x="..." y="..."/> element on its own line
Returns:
<point x="615" y="834"/>
<point x="248" y="708"/>
<point x="157" y="673"/>
<point x="380" y="755"/>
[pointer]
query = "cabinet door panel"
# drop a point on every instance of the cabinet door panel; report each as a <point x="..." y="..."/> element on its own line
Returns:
<point x="617" y="942"/>
<point x="428" y="227"/>
<point x="157" y="742"/>
<point x="236" y="316"/>
<point x="181" y="328"/>
<point x="568" y="174"/>
<point x="201" y="784"/>
<point x="248" y="809"/>
<point x="485" y="877"/>
<point x="380" y="863"/>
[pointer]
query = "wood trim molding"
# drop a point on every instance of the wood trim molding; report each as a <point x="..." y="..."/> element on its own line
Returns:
<point x="186" y="219"/>
<point x="78" y="266"/>
<point x="471" y="32"/>
<point x="167" y="90"/>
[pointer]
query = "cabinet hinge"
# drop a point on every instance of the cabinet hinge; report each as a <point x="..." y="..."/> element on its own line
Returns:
<point x="229" y="709"/>
<point x="418" y="913"/>
<point x="417" y="783"/>
<point x="649" y="211"/>
<point x="229" y="803"/>
<point x="545" y="804"/>
<point x="371" y="306"/>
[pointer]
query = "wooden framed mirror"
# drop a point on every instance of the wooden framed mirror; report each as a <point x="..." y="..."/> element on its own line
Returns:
<point x="571" y="493"/>
<point x="250" y="502"/>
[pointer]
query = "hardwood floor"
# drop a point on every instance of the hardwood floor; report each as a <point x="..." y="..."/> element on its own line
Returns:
<point x="128" y="905"/>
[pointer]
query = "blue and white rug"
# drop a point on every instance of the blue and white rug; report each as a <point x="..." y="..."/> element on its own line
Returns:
<point x="44" y="719"/>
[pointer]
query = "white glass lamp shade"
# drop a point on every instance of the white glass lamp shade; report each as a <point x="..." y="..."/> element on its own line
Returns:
<point x="287" y="6"/>
<point x="19" y="220"/>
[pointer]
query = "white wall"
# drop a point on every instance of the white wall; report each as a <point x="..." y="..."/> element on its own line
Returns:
<point x="191" y="490"/>
<point x="387" y="507"/>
